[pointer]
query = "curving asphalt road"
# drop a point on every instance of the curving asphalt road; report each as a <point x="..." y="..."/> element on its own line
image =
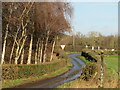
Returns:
<point x="74" y="73"/>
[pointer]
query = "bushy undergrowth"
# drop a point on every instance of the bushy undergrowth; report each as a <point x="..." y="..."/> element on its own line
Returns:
<point x="89" y="71"/>
<point x="12" y="72"/>
<point x="91" y="67"/>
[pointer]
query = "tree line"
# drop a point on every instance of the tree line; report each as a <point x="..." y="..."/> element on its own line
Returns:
<point x="79" y="41"/>
<point x="30" y="30"/>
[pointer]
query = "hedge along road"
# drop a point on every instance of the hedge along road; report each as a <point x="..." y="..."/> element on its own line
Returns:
<point x="74" y="73"/>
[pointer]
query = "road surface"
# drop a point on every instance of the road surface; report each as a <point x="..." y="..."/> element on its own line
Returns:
<point x="74" y="73"/>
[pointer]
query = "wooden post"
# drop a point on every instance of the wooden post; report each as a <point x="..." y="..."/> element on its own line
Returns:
<point x="102" y="70"/>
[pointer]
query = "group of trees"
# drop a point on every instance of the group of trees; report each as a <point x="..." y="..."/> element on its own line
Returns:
<point x="96" y="39"/>
<point x="30" y="30"/>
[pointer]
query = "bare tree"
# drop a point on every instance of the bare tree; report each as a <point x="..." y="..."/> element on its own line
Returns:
<point x="33" y="25"/>
<point x="52" y="20"/>
<point x="6" y="33"/>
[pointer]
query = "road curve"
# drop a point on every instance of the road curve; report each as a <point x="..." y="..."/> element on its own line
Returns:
<point x="74" y="73"/>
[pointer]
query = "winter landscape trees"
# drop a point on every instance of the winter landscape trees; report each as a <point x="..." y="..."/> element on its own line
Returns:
<point x="95" y="39"/>
<point x="30" y="30"/>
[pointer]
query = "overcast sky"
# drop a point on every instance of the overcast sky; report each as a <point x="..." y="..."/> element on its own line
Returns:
<point x="95" y="16"/>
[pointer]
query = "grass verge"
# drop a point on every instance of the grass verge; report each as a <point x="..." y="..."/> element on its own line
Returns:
<point x="83" y="59"/>
<point x="73" y="52"/>
<point x="66" y="85"/>
<point x="12" y="83"/>
<point x="71" y="84"/>
<point x="111" y="63"/>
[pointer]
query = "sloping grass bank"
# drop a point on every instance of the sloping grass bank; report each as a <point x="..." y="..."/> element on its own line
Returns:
<point x="12" y="83"/>
<point x="83" y="59"/>
<point x="20" y="74"/>
<point x="110" y="73"/>
<point x="89" y="71"/>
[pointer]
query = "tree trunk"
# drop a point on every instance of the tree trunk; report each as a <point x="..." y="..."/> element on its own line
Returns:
<point x="4" y="45"/>
<point x="44" y="56"/>
<point x="36" y="53"/>
<point x="22" y="56"/>
<point x="20" y="50"/>
<point x="15" y="41"/>
<point x="11" y="11"/>
<point x="53" y="47"/>
<point x="30" y="51"/>
<point x="23" y="32"/>
<point x="10" y="62"/>
<point x="41" y="51"/>
<point x="16" y="57"/>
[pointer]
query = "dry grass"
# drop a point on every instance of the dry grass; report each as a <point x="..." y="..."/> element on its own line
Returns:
<point x="109" y="81"/>
<point x="92" y="83"/>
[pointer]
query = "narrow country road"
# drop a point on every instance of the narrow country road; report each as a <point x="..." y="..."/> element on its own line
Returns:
<point x="74" y="73"/>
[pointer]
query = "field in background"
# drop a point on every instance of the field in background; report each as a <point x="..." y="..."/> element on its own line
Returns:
<point x="111" y="63"/>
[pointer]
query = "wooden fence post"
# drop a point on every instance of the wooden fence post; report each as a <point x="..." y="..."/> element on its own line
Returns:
<point x="102" y="70"/>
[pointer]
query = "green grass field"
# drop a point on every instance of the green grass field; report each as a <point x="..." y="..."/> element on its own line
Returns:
<point x="111" y="63"/>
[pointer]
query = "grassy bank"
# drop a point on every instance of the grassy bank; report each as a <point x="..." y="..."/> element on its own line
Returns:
<point x="77" y="83"/>
<point x="83" y="59"/>
<point x="110" y="75"/>
<point x="73" y="52"/>
<point x="11" y="83"/>
<point x="14" y="75"/>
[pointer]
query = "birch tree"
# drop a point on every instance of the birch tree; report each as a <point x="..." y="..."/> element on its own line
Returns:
<point x="4" y="45"/>
<point x="10" y="11"/>
<point x="22" y="56"/>
<point x="30" y="50"/>
<point x="52" y="17"/>
<point x="32" y="25"/>
<point x="23" y="36"/>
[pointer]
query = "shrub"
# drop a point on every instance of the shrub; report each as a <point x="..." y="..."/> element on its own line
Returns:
<point x="88" y="71"/>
